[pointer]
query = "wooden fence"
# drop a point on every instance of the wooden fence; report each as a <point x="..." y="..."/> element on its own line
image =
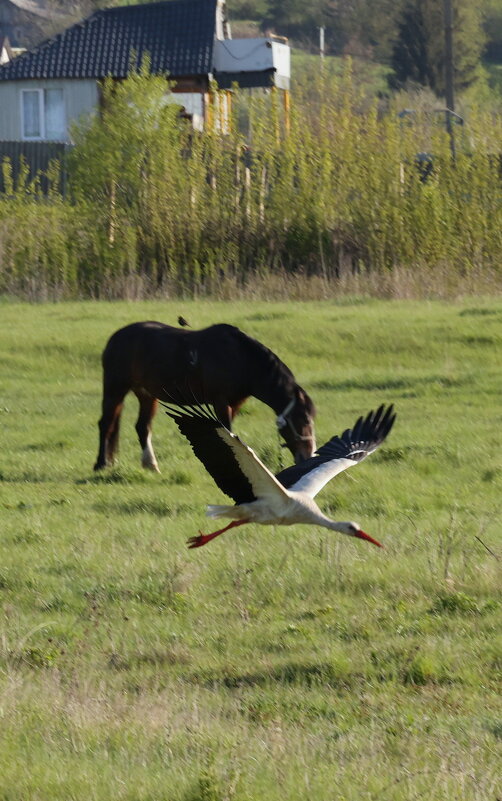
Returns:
<point x="37" y="156"/>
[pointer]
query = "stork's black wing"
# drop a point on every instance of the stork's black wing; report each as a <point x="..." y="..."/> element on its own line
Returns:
<point x="199" y="424"/>
<point x="339" y="453"/>
<point x="235" y="468"/>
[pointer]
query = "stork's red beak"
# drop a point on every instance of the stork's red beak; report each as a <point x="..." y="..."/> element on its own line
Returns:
<point x="363" y="536"/>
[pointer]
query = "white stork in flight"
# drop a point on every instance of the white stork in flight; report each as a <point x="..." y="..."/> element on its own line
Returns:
<point x="288" y="497"/>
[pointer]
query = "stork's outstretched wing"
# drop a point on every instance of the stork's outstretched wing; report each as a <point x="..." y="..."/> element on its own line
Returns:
<point x="339" y="453"/>
<point x="235" y="468"/>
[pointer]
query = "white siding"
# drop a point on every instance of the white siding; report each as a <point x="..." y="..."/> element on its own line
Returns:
<point x="252" y="55"/>
<point x="193" y="104"/>
<point x="4" y="56"/>
<point x="80" y="98"/>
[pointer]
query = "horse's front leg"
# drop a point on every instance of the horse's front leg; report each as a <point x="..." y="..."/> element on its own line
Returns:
<point x="225" y="413"/>
<point x="147" y="409"/>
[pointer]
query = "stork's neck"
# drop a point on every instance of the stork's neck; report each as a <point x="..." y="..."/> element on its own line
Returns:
<point x="317" y="517"/>
<point x="334" y="525"/>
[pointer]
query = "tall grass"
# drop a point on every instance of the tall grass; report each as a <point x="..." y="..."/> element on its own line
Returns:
<point x="155" y="208"/>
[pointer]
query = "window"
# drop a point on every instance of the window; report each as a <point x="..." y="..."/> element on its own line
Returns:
<point x="42" y="114"/>
<point x="54" y="115"/>
<point x="32" y="128"/>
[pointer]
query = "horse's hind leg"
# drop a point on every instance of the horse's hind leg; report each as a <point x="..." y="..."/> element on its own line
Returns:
<point x="109" y="425"/>
<point x="147" y="409"/>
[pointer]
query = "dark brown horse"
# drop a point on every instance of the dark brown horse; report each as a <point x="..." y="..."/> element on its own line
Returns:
<point x="219" y="365"/>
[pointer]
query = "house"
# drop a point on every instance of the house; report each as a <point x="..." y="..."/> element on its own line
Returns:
<point x="43" y="90"/>
<point x="6" y="52"/>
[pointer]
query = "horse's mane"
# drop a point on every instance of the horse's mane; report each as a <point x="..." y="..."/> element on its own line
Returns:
<point x="278" y="373"/>
<point x="264" y="357"/>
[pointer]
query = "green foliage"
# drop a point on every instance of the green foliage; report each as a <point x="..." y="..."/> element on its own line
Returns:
<point x="418" y="53"/>
<point x="248" y="9"/>
<point x="492" y="25"/>
<point x="294" y="17"/>
<point x="156" y="208"/>
<point x="459" y="602"/>
<point x="38" y="237"/>
<point x="362" y="27"/>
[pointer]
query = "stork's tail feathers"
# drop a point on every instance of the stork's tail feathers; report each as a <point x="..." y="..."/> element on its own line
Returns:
<point x="214" y="510"/>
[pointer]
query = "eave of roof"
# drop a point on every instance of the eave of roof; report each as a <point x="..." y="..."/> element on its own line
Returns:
<point x="177" y="36"/>
<point x="251" y="79"/>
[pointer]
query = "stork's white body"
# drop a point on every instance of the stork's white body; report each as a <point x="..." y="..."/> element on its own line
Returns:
<point x="285" y="499"/>
<point x="296" y="507"/>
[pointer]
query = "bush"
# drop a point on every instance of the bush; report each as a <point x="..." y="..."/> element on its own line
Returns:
<point x="158" y="208"/>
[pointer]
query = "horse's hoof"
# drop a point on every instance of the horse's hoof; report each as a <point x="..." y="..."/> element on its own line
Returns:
<point x="151" y="466"/>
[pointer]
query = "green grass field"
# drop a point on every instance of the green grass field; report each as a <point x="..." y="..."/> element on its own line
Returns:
<point x="272" y="664"/>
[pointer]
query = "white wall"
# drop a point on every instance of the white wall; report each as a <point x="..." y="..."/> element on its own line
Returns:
<point x="193" y="104"/>
<point x="80" y="97"/>
<point x="4" y="56"/>
<point x="252" y="55"/>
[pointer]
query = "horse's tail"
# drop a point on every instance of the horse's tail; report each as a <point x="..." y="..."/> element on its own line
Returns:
<point x="214" y="510"/>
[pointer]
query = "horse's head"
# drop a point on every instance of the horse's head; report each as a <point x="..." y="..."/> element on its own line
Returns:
<point x="296" y="425"/>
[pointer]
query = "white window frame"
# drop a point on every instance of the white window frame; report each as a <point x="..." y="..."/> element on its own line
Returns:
<point x="40" y="93"/>
<point x="41" y="113"/>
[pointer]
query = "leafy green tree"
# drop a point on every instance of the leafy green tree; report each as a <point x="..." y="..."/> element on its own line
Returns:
<point x="355" y="27"/>
<point x="492" y="25"/>
<point x="127" y="160"/>
<point x="410" y="56"/>
<point x="364" y="26"/>
<point x="418" y="53"/>
<point x="296" y="18"/>
<point x="116" y="146"/>
<point x="248" y="9"/>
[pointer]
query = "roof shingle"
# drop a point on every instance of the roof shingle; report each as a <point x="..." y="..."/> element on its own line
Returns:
<point x="177" y="35"/>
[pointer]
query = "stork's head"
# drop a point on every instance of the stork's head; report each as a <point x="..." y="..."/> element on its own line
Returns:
<point x="296" y="425"/>
<point x="354" y="530"/>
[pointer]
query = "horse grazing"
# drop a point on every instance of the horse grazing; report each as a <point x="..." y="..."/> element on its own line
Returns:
<point x="219" y="365"/>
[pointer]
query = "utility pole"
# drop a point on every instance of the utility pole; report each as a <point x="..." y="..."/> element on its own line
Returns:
<point x="321" y="41"/>
<point x="448" y="70"/>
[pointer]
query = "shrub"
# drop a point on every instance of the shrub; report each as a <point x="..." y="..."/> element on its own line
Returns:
<point x="155" y="207"/>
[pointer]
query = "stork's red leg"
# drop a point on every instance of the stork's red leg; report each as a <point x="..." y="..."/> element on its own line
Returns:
<point x="202" y="539"/>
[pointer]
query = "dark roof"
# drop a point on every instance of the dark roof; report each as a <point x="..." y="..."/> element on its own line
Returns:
<point x="178" y="35"/>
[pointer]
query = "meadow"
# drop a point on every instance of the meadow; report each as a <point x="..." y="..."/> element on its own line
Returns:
<point x="274" y="663"/>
